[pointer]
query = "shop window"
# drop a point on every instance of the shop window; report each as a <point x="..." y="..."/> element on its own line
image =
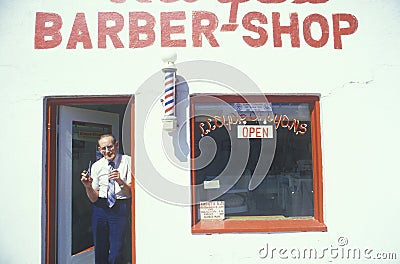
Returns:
<point x="256" y="160"/>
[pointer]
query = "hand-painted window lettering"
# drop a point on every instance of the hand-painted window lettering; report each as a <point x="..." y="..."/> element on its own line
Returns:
<point x="211" y="124"/>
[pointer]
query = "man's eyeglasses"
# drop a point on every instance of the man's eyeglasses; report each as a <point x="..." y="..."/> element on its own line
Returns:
<point x="110" y="147"/>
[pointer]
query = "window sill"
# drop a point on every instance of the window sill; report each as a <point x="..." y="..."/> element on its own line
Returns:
<point x="260" y="226"/>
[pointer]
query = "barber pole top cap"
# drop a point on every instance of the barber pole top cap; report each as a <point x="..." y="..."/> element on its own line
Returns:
<point x="169" y="58"/>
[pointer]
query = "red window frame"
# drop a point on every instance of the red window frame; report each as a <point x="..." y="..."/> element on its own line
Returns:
<point x="52" y="104"/>
<point x="315" y="223"/>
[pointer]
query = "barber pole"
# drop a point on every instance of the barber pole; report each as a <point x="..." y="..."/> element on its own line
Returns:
<point x="169" y="94"/>
<point x="169" y="70"/>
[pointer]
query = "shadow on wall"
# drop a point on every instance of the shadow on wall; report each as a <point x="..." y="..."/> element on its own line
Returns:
<point x="179" y="136"/>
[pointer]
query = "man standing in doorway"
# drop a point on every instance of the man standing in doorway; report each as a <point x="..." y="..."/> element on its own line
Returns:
<point x="108" y="186"/>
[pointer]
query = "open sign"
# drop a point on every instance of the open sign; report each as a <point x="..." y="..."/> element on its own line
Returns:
<point x="255" y="131"/>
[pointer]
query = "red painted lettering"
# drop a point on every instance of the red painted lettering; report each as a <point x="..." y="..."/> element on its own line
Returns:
<point x="204" y="24"/>
<point x="309" y="1"/>
<point x="277" y="120"/>
<point x="265" y="132"/>
<point x="252" y="118"/>
<point x="243" y="118"/>
<point x="52" y="32"/>
<point x="339" y="31"/>
<point x="79" y="33"/>
<point x="234" y="8"/>
<point x="323" y="23"/>
<point x="268" y="118"/>
<point x="111" y="31"/>
<point x="258" y="132"/>
<point x="293" y="30"/>
<point x="171" y="1"/>
<point x="245" y="132"/>
<point x="198" y="29"/>
<point x="210" y="127"/>
<point x="201" y="125"/>
<point x="294" y="126"/>
<point x="167" y="29"/>
<point x="233" y="119"/>
<point x="232" y="25"/>
<point x="135" y="30"/>
<point x="294" y="1"/>
<point x="283" y="120"/>
<point x="252" y="130"/>
<point x="219" y="121"/>
<point x="247" y="19"/>
<point x="149" y="1"/>
<point x="303" y="129"/>
<point x="271" y="1"/>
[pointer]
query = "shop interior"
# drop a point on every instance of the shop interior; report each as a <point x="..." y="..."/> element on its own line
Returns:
<point x="287" y="186"/>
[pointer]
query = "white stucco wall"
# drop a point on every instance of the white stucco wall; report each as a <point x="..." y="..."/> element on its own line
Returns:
<point x="359" y="94"/>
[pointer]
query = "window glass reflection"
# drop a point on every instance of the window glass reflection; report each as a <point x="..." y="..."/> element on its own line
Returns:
<point x="287" y="188"/>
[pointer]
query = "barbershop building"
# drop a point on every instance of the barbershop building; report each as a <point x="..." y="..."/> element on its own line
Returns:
<point x="260" y="131"/>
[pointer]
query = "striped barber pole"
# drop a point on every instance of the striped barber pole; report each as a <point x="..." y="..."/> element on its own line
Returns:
<point x="169" y="94"/>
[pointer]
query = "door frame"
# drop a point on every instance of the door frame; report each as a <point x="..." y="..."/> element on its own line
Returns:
<point x="50" y="146"/>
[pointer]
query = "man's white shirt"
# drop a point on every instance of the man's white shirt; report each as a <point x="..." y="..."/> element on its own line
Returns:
<point x="100" y="171"/>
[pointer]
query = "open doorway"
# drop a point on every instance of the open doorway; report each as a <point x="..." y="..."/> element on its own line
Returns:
<point x="73" y="127"/>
